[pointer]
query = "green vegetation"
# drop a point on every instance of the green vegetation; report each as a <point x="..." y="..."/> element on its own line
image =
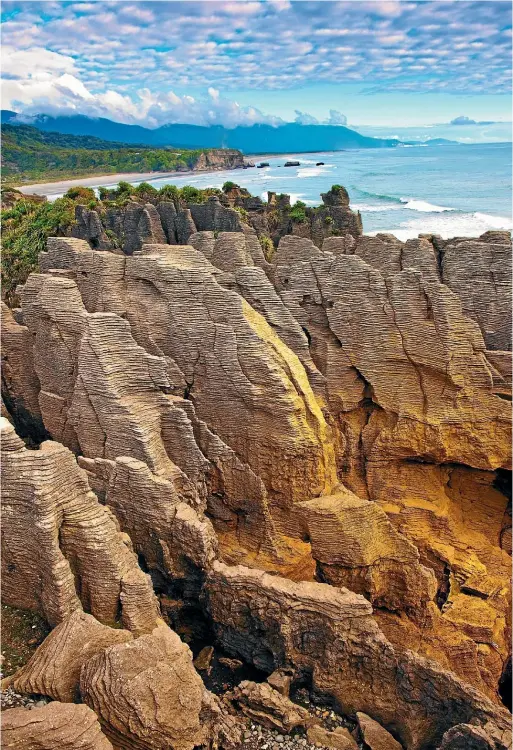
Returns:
<point x="298" y="213"/>
<point x="229" y="185"/>
<point x="31" y="154"/>
<point x="25" y="228"/>
<point x="243" y="213"/>
<point x="81" y="194"/>
<point x="28" y="221"/>
<point x="267" y="246"/>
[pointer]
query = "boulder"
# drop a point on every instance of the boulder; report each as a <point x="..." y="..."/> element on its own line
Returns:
<point x="56" y="726"/>
<point x="374" y="735"/>
<point x="260" y="702"/>
<point x="147" y="694"/>
<point x="54" y="669"/>
<point x="338" y="739"/>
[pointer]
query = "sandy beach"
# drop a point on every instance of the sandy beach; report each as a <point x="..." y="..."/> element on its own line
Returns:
<point x="61" y="186"/>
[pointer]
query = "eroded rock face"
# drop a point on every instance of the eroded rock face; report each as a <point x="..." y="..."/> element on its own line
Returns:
<point x="54" y="669"/>
<point x="147" y="694"/>
<point x="57" y="726"/>
<point x="479" y="272"/>
<point x="20" y="384"/>
<point x="356" y="546"/>
<point x="335" y="415"/>
<point x="471" y="737"/>
<point x="225" y="353"/>
<point x="330" y="632"/>
<point x="61" y="549"/>
<point x="262" y="703"/>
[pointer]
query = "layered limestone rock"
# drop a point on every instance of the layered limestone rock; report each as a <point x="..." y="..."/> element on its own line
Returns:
<point x="126" y="228"/>
<point x="414" y="358"/>
<point x="199" y="333"/>
<point x="216" y="403"/>
<point x="330" y="633"/>
<point x="57" y="726"/>
<point x="356" y="546"/>
<point x="20" y="384"/>
<point x="477" y="270"/>
<point x="409" y="382"/>
<point x="61" y="549"/>
<point x="471" y="737"/>
<point x="262" y="703"/>
<point x="54" y="669"/>
<point x="147" y="694"/>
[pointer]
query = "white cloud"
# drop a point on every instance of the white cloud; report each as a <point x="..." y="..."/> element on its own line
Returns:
<point x="46" y="90"/>
<point x="336" y="118"/>
<point x="304" y="118"/>
<point x="116" y="50"/>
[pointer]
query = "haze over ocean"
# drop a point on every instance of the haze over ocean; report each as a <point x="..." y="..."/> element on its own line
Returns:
<point x="461" y="190"/>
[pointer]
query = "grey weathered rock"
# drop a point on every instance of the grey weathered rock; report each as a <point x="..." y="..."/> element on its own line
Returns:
<point x="62" y="550"/>
<point x="479" y="272"/>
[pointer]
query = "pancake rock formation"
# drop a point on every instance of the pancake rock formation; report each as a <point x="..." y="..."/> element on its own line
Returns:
<point x="297" y="462"/>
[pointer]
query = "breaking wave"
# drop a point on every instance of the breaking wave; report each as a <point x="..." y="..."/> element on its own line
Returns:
<point x="455" y="225"/>
<point x="424" y="206"/>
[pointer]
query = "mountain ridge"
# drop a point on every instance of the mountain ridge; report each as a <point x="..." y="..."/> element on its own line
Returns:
<point x="255" y="139"/>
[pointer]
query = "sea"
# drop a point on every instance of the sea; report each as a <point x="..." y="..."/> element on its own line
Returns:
<point x="450" y="190"/>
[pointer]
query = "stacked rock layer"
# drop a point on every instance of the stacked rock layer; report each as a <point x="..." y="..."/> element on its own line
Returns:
<point x="338" y="418"/>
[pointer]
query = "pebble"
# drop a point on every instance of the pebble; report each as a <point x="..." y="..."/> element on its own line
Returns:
<point x="9" y="698"/>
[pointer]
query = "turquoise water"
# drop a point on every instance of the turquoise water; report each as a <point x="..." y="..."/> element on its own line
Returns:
<point x="461" y="190"/>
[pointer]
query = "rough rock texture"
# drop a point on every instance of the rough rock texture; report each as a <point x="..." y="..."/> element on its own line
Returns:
<point x="20" y="384"/>
<point x="330" y="633"/>
<point x="225" y="353"/>
<point x="61" y="549"/>
<point x="357" y="547"/>
<point x="479" y="272"/>
<point x="54" y="669"/>
<point x="338" y="415"/>
<point x="147" y="694"/>
<point x="472" y="737"/>
<point x="57" y="726"/>
<point x="374" y="735"/>
<point x="339" y="739"/>
<point x="262" y="703"/>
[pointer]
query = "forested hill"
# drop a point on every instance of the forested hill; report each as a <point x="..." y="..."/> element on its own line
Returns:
<point x="29" y="154"/>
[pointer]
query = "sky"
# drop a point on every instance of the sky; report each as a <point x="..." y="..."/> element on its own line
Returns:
<point x="437" y="68"/>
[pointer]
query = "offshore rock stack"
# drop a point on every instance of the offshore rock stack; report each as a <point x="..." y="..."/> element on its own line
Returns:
<point x="298" y="460"/>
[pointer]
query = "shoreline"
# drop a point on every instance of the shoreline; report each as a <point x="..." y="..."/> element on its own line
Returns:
<point x="59" y="186"/>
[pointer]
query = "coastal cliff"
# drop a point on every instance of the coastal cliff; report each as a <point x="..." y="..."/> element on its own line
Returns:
<point x="250" y="425"/>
